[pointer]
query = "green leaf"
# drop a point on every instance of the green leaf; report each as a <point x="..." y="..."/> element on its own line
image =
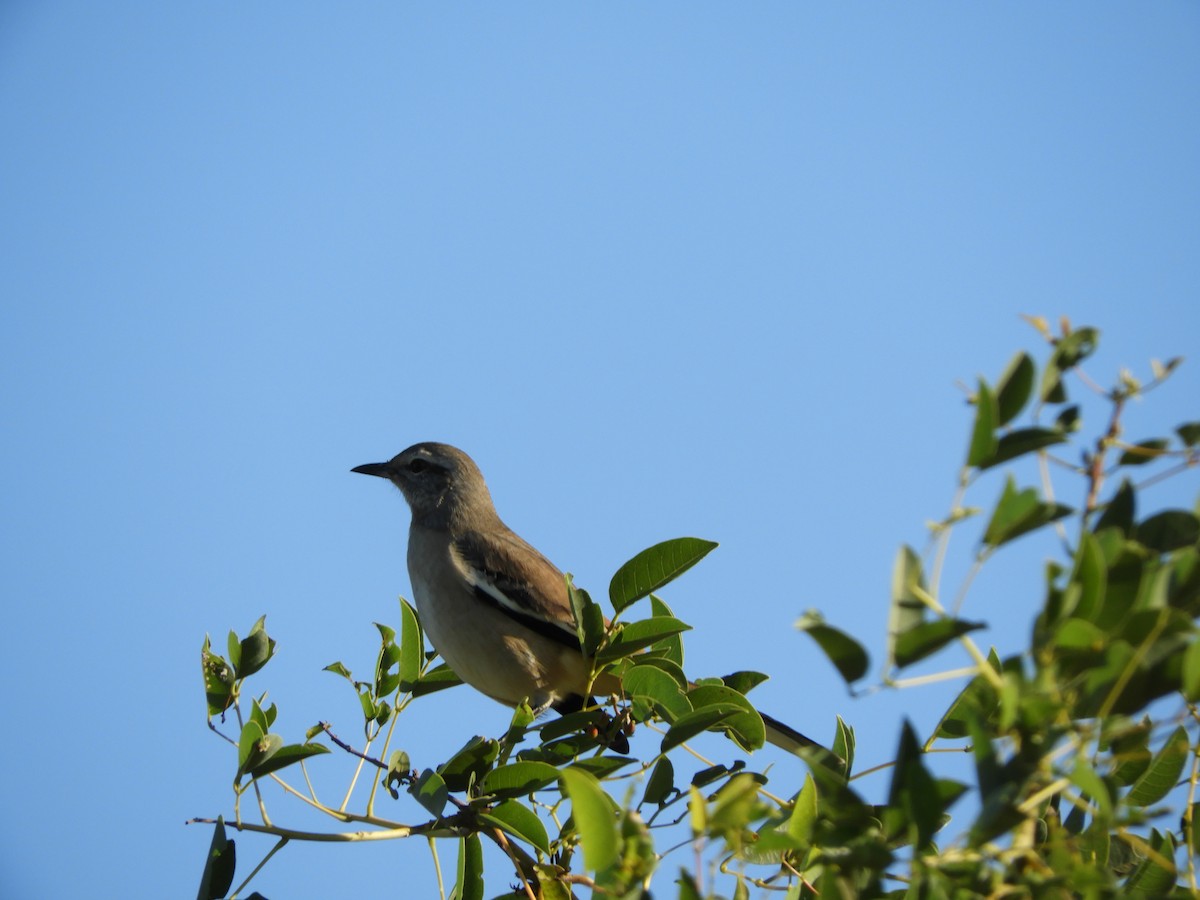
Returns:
<point x="470" y="763"/>
<point x="803" y="819"/>
<point x="468" y="880"/>
<point x="1191" y="675"/>
<point x="256" y="649"/>
<point x="1143" y="452"/>
<point x="248" y="740"/>
<point x="744" y="681"/>
<point x="1068" y="421"/>
<point x="436" y="679"/>
<point x="844" y="743"/>
<point x="636" y="635"/>
<point x="907" y="609"/>
<point x="1129" y="748"/>
<point x="521" y="822"/>
<point x="1151" y="879"/>
<point x="983" y="434"/>
<point x="914" y="793"/>
<point x="233" y="646"/>
<point x="657" y="689"/>
<point x="1014" y="388"/>
<point x="669" y="647"/>
<point x="518" y="779"/>
<point x="976" y="701"/>
<point x="1069" y="352"/>
<point x="1169" y="530"/>
<point x="286" y="756"/>
<point x="655" y="567"/>
<point x="661" y="784"/>
<point x="338" y="668"/>
<point x="602" y="766"/>
<point x="846" y="654"/>
<point x="1120" y="510"/>
<point x="593" y="813"/>
<point x="1080" y="634"/>
<point x="258" y="715"/>
<point x="1163" y="773"/>
<point x="1018" y="513"/>
<point x="430" y="791"/>
<point x="929" y="637"/>
<point x="219" y="865"/>
<point x="255" y="749"/>
<point x="218" y="680"/>
<point x="589" y="618"/>
<point x="691" y="724"/>
<point x="412" y="646"/>
<point x="1189" y="433"/>
<point x="1021" y="441"/>
<point x="1085" y="778"/>
<point x="1090" y="575"/>
<point x="651" y="658"/>
<point x="747" y="729"/>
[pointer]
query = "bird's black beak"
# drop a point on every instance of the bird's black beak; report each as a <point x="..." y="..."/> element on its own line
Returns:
<point x="383" y="470"/>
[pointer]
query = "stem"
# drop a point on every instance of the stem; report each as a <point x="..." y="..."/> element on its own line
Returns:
<point x="397" y="708"/>
<point x="916" y="681"/>
<point x="383" y="834"/>
<point x="437" y="865"/>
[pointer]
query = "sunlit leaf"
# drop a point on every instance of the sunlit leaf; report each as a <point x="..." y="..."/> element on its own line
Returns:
<point x="430" y="791"/>
<point x="286" y="756"/>
<point x="657" y="689"/>
<point x="655" y="567"/>
<point x="412" y="646"/>
<point x="518" y="779"/>
<point x="638" y="635"/>
<point x="468" y="880"/>
<point x="1153" y="879"/>
<point x="1191" y="674"/>
<point x="593" y="813"/>
<point x="589" y="618"/>
<point x="521" y="822"/>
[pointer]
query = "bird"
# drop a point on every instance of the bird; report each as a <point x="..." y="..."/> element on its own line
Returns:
<point x="496" y="609"/>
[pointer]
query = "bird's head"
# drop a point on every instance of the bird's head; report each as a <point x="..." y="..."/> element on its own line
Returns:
<point x="437" y="480"/>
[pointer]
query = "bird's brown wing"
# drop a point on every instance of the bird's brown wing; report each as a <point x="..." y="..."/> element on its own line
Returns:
<point x="511" y="576"/>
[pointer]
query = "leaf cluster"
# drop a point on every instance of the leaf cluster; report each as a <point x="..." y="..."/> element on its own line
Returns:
<point x="1085" y="743"/>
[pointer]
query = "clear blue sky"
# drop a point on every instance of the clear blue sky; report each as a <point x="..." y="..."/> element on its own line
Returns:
<point x="663" y="269"/>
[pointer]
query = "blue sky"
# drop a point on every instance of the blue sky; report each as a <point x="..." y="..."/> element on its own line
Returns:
<point x="707" y="269"/>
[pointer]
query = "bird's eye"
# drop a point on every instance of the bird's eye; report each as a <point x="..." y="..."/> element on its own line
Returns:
<point x="417" y="466"/>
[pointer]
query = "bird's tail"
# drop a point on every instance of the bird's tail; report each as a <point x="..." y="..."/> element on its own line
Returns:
<point x="785" y="737"/>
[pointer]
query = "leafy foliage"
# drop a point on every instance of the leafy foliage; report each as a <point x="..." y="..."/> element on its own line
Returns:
<point x="1086" y="746"/>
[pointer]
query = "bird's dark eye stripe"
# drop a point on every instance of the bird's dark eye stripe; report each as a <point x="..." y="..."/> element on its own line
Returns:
<point x="418" y="465"/>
